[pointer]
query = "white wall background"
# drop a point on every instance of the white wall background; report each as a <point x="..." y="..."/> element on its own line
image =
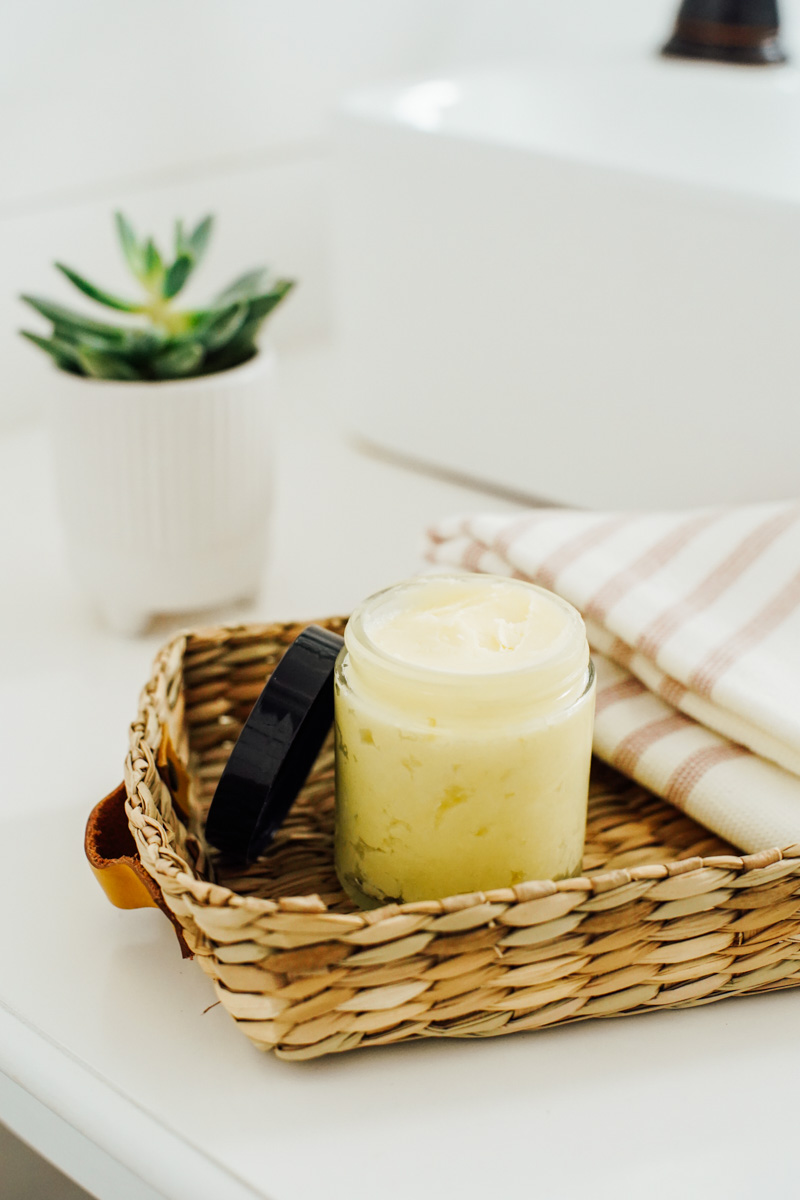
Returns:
<point x="178" y="107"/>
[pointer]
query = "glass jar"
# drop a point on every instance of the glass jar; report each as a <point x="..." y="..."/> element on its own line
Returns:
<point x="464" y="708"/>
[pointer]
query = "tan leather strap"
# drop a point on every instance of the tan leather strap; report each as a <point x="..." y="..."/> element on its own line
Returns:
<point x="112" y="855"/>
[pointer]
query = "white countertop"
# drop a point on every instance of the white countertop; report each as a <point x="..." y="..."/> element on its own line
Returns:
<point x="112" y="1064"/>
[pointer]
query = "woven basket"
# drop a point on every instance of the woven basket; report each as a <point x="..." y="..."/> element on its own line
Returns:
<point x="665" y="915"/>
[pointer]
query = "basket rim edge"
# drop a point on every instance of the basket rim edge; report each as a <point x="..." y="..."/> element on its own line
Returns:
<point x="605" y="883"/>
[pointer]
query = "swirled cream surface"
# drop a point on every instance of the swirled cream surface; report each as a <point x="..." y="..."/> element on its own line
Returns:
<point x="467" y="627"/>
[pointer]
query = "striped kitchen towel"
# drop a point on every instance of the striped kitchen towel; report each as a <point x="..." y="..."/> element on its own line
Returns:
<point x="694" y="623"/>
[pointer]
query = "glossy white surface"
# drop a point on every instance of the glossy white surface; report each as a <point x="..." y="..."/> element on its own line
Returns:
<point x="102" y="1023"/>
<point x="582" y="265"/>
<point x="673" y="119"/>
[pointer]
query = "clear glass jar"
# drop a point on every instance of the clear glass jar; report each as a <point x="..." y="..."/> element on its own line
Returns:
<point x="462" y="763"/>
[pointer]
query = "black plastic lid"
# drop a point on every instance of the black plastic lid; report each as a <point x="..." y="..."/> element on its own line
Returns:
<point x="277" y="747"/>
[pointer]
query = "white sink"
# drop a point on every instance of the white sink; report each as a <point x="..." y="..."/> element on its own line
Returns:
<point x="582" y="282"/>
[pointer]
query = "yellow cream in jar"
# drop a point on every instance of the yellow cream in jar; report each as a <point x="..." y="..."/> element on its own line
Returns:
<point x="464" y="712"/>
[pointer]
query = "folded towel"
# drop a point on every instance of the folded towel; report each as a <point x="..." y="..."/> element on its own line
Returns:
<point x="694" y="623"/>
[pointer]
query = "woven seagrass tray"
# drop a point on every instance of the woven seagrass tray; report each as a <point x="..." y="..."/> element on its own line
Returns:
<point x="665" y="914"/>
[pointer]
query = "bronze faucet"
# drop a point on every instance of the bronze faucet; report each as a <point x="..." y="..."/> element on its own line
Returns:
<point x="733" y="31"/>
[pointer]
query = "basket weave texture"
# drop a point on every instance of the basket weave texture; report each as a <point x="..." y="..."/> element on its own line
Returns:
<point x="665" y="914"/>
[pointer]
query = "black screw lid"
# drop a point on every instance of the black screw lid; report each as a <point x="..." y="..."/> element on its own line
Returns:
<point x="277" y="747"/>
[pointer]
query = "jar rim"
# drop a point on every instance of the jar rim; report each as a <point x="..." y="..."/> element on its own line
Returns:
<point x="564" y="663"/>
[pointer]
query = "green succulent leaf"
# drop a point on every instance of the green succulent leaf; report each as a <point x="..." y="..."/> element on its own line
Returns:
<point x="199" y="239"/>
<point x="252" y="283"/>
<point x="181" y="241"/>
<point x="178" y="360"/>
<point x="230" y="356"/>
<point x="239" y="349"/>
<point x="143" y="344"/>
<point x="176" y="276"/>
<point x="222" y="327"/>
<point x="96" y="293"/>
<point x="168" y="342"/>
<point x="249" y="332"/>
<point x="102" y="365"/>
<point x="73" y="323"/>
<point x="261" y="306"/>
<point x="63" y="354"/>
<point x="153" y="265"/>
<point x="130" y="246"/>
<point x="89" y="341"/>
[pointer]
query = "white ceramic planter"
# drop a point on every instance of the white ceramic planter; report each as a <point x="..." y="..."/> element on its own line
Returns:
<point x="165" y="489"/>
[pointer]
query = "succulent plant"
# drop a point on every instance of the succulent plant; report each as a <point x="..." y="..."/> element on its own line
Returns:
<point x="160" y="341"/>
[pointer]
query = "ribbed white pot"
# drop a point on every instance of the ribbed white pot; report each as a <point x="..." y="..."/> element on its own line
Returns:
<point x="165" y="489"/>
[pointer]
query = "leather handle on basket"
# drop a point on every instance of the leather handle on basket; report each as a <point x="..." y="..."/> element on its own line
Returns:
<point x="112" y="855"/>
